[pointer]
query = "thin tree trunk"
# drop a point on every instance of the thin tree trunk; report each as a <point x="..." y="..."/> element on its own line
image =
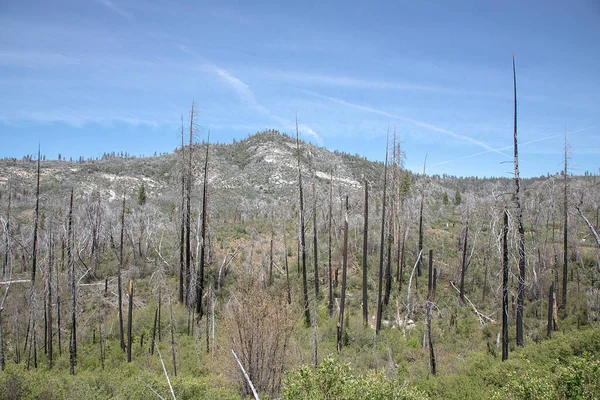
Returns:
<point x="315" y="249"/>
<point x="173" y="341"/>
<point x="302" y="238"/>
<point x="565" y="231"/>
<point x="154" y="332"/>
<point x="183" y="219"/>
<point x="130" y="321"/>
<point x="200" y="278"/>
<point x="340" y="325"/>
<point x="49" y="301"/>
<point x="430" y="277"/>
<point x="432" y="362"/>
<point x="35" y="225"/>
<point x="521" y="240"/>
<point x="365" y="254"/>
<point x="287" y="269"/>
<point x="505" y="287"/>
<point x="330" y="227"/>
<point x="464" y="261"/>
<point x="188" y="215"/>
<point x="71" y="265"/>
<point x="100" y="339"/>
<point x="550" y="310"/>
<point x="7" y="234"/>
<point x="119" y="282"/>
<point x="382" y="245"/>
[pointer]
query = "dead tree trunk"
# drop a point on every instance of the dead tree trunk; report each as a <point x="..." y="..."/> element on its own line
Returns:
<point x="35" y="225"/>
<point x="382" y="246"/>
<point x="505" y="287"/>
<point x="365" y="254"/>
<point x="315" y="249"/>
<point x="521" y="238"/>
<point x="550" y="310"/>
<point x="130" y="321"/>
<point x="340" y="325"/>
<point x="565" y="231"/>
<point x="188" y="214"/>
<point x="287" y="269"/>
<point x="49" y="300"/>
<point x="432" y="362"/>
<point x="431" y="277"/>
<point x="71" y="265"/>
<point x="119" y="282"/>
<point x="7" y="235"/>
<point x="464" y="261"/>
<point x="302" y="237"/>
<point x="330" y="226"/>
<point x="200" y="277"/>
<point x="183" y="219"/>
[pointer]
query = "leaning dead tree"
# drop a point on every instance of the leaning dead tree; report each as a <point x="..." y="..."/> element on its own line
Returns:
<point x="521" y="237"/>
<point x="302" y="237"/>
<point x="329" y="228"/>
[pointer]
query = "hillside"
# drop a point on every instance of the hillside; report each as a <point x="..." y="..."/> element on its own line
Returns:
<point x="253" y="266"/>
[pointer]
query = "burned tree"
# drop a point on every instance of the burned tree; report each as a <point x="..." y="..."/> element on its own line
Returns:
<point x="365" y="254"/>
<point x="521" y="236"/>
<point x="340" y="325"/>
<point x="119" y="283"/>
<point x="505" y="287"/>
<point x="382" y="244"/>
<point x="200" y="277"/>
<point x="302" y="243"/>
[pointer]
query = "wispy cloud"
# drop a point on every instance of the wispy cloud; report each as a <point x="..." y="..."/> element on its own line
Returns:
<point x="115" y="8"/>
<point x="243" y="91"/>
<point x="421" y="124"/>
<point x="370" y="84"/>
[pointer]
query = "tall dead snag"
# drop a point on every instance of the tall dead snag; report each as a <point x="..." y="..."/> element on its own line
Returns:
<point x="365" y="254"/>
<point x="183" y="219"/>
<point x="315" y="249"/>
<point x="521" y="237"/>
<point x="432" y="363"/>
<point x="464" y="260"/>
<point x="35" y="225"/>
<point x="71" y="266"/>
<point x="419" y="271"/>
<point x="200" y="277"/>
<point x="119" y="283"/>
<point x="382" y="243"/>
<point x="340" y="325"/>
<point x="49" y="300"/>
<point x="188" y="214"/>
<point x="565" y="231"/>
<point x="302" y="238"/>
<point x="329" y="227"/>
<point x="505" y="287"/>
<point x="550" y="310"/>
<point x="130" y="321"/>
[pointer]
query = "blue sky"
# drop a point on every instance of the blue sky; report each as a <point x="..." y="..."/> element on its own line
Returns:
<point x="87" y="77"/>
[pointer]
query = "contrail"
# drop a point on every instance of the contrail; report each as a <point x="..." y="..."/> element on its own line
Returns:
<point x="510" y="147"/>
<point x="421" y="124"/>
